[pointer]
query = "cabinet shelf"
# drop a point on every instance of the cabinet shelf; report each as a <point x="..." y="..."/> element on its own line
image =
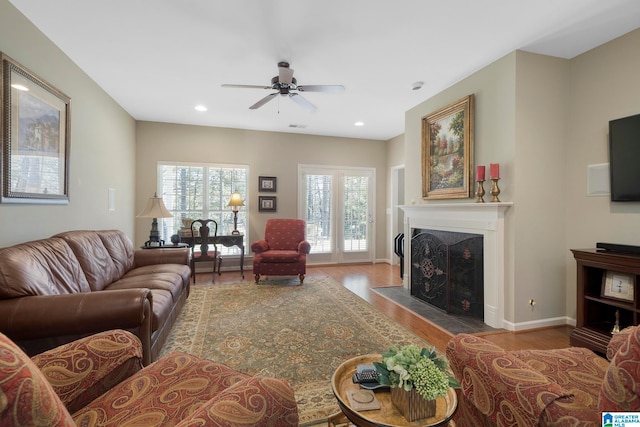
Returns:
<point x="596" y="315"/>
<point x="613" y="303"/>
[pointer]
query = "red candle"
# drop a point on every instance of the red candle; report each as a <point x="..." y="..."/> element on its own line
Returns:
<point x="480" y="173"/>
<point x="495" y="170"/>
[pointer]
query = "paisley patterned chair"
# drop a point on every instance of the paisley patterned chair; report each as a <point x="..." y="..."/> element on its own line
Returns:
<point x="283" y="251"/>
<point x="99" y="380"/>
<point x="564" y="387"/>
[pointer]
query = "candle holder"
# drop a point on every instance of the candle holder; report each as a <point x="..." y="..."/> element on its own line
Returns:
<point x="616" y="326"/>
<point x="480" y="192"/>
<point x="495" y="190"/>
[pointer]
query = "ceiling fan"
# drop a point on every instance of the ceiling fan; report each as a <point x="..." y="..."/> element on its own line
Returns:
<point x="287" y="85"/>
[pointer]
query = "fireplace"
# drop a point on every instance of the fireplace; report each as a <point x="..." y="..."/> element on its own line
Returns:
<point x="486" y="220"/>
<point x="447" y="271"/>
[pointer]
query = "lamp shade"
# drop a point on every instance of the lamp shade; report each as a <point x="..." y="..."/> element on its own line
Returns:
<point x="155" y="209"/>
<point x="236" y="200"/>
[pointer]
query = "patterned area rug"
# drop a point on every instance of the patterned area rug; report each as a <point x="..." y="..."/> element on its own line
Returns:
<point x="279" y="329"/>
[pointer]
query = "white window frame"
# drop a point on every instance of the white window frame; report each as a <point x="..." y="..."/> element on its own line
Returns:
<point x="225" y="213"/>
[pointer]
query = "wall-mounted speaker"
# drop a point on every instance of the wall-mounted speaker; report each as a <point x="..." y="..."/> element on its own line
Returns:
<point x="598" y="180"/>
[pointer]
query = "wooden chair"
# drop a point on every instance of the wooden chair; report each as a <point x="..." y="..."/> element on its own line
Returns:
<point x="202" y="230"/>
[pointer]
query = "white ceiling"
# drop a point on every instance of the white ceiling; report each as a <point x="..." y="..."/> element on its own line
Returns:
<point x="160" y="58"/>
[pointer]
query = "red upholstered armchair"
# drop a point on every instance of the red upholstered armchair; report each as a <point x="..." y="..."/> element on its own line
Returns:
<point x="283" y="251"/>
<point x="99" y="380"/>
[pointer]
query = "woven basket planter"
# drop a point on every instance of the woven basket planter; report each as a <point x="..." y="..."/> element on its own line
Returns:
<point x="411" y="405"/>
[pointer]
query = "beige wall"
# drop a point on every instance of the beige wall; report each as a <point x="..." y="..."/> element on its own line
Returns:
<point x="544" y="120"/>
<point x="267" y="154"/>
<point x="102" y="144"/>
<point x="538" y="170"/>
<point x="603" y="86"/>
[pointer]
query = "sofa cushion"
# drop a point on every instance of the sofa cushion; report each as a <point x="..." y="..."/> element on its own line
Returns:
<point x="579" y="371"/>
<point x="93" y="256"/>
<point x="137" y="278"/>
<point x="170" y="389"/>
<point x="278" y="256"/>
<point x="499" y="385"/>
<point x="40" y="267"/>
<point x="26" y="398"/>
<point x="284" y="233"/>
<point x="252" y="402"/>
<point x="120" y="249"/>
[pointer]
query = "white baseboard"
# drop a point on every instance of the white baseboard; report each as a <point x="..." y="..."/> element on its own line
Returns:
<point x="536" y="324"/>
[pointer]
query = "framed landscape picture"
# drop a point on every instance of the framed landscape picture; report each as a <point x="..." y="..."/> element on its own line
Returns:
<point x="35" y="126"/>
<point x="447" y="151"/>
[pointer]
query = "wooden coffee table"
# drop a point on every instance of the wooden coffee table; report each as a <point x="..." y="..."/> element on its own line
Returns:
<point x="387" y="415"/>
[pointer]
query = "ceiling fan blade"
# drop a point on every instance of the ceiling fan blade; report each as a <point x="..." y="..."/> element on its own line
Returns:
<point x="285" y="75"/>
<point x="246" y="86"/>
<point x="298" y="99"/>
<point x="263" y="101"/>
<point x="321" y="88"/>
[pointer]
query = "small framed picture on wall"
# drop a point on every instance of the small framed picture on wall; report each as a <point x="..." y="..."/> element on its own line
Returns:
<point x="266" y="203"/>
<point x="267" y="183"/>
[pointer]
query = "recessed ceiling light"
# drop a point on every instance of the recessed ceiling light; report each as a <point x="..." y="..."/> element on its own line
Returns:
<point x="20" y="87"/>
<point x="201" y="108"/>
<point x="358" y="124"/>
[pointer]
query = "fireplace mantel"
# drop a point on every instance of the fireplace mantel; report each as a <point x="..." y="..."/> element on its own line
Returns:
<point x="486" y="219"/>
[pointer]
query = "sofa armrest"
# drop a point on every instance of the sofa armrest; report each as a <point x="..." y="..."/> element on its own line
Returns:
<point x="42" y="322"/>
<point x="304" y="247"/>
<point x="89" y="312"/>
<point x="86" y="368"/>
<point x="254" y="401"/>
<point x="499" y="385"/>
<point x="259" y="246"/>
<point x="142" y="257"/>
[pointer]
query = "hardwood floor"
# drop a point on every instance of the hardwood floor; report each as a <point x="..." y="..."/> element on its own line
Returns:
<point x="360" y="278"/>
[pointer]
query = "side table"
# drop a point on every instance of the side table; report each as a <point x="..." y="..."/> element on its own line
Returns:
<point x="387" y="415"/>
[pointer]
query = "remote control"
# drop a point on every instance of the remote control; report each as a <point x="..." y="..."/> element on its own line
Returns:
<point x="368" y="376"/>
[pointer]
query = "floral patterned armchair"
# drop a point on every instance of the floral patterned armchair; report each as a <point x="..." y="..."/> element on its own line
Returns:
<point x="571" y="386"/>
<point x="99" y="380"/>
<point x="283" y="251"/>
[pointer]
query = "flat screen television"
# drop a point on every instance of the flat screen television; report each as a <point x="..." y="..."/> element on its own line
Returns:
<point x="624" y="158"/>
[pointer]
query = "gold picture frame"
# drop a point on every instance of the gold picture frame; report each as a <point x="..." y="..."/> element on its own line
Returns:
<point x="36" y="134"/>
<point x="447" y="151"/>
<point x="619" y="286"/>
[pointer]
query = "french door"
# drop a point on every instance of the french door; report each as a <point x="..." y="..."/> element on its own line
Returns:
<point x="338" y="205"/>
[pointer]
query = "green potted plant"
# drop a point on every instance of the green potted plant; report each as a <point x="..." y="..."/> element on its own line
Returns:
<point x="417" y="377"/>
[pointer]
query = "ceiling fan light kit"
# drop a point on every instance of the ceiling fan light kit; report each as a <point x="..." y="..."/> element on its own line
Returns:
<point x="286" y="85"/>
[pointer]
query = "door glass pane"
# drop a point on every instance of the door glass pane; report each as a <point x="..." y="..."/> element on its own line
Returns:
<point x="356" y="213"/>
<point x="318" y="215"/>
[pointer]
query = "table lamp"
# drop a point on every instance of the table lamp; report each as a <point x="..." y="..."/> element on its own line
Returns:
<point x="235" y="201"/>
<point x="155" y="209"/>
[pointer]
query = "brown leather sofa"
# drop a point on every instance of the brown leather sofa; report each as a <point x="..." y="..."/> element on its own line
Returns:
<point x="78" y="283"/>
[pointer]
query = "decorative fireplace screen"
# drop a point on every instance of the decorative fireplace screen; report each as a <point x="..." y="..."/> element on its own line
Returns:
<point x="447" y="271"/>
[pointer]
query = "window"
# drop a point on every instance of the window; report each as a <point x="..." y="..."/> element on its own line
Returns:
<point x="197" y="190"/>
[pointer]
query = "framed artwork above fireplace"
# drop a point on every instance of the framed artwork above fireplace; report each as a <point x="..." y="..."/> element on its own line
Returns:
<point x="447" y="151"/>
